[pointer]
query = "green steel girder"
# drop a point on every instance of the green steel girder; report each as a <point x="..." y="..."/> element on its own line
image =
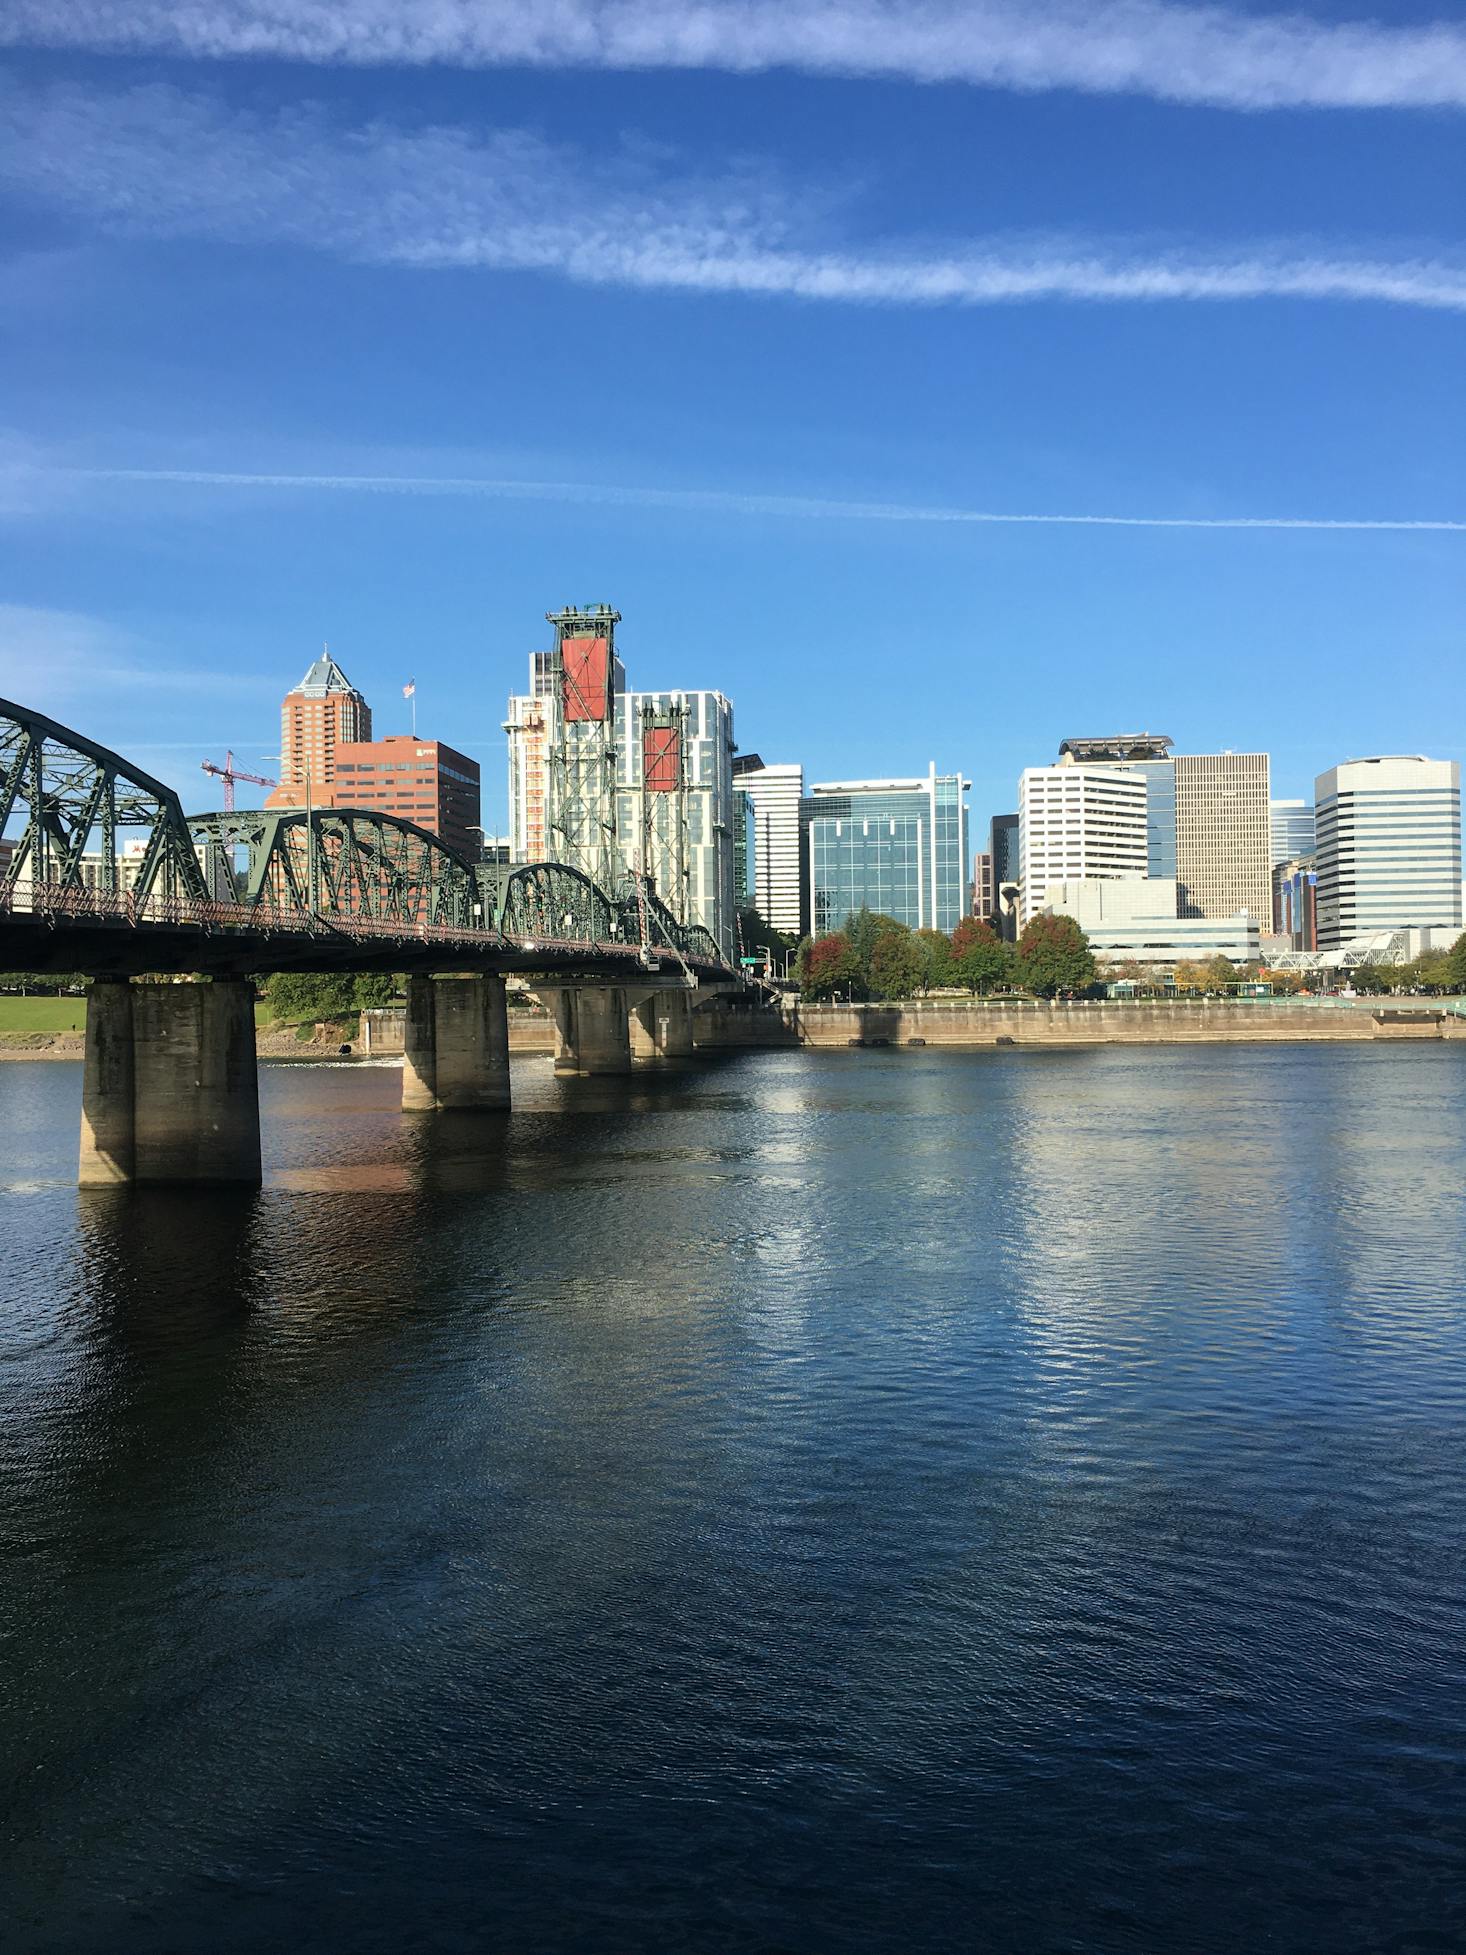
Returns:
<point x="698" y="942"/>
<point x="343" y="862"/>
<point x="57" y="788"/>
<point x="552" y="901"/>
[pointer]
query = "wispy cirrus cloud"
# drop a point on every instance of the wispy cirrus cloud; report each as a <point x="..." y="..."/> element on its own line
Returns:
<point x="156" y="162"/>
<point x="1211" y="55"/>
<point x="708" y="501"/>
<point x="53" y="659"/>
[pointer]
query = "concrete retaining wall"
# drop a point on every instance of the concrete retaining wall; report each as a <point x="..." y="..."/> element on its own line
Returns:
<point x="960" y="1022"/>
<point x="380" y="1031"/>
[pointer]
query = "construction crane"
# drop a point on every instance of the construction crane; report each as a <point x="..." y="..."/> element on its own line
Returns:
<point x="229" y="774"/>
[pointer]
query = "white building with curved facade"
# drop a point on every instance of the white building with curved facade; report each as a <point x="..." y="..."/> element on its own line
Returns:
<point x="1389" y="847"/>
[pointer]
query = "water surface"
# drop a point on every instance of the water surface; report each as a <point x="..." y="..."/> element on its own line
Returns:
<point x="812" y="1502"/>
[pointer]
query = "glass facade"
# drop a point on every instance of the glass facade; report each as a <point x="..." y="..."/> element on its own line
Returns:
<point x="1003" y="848"/>
<point x="898" y="848"/>
<point x="1160" y="816"/>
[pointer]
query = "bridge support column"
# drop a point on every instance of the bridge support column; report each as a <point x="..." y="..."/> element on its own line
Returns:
<point x="661" y="1026"/>
<point x="455" y="1044"/>
<point x="170" y="1088"/>
<point x="108" y="1126"/>
<point x="591" y="1031"/>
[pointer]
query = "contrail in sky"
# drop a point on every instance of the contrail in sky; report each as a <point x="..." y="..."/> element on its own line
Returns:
<point x="1222" y="56"/>
<point x="726" y="501"/>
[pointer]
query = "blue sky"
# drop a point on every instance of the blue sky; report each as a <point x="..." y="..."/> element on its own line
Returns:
<point x="736" y="315"/>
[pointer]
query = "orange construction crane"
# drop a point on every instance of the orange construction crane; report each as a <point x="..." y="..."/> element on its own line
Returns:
<point x="229" y="774"/>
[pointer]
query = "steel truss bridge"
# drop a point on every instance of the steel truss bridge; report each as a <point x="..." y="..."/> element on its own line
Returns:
<point x="333" y="889"/>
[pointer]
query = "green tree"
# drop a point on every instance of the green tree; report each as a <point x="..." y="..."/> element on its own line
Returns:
<point x="1053" y="955"/>
<point x="43" y="984"/>
<point x="1220" y="973"/>
<point x="829" y="967"/>
<point x="898" y="964"/>
<point x="1430" y="972"/>
<point x="299" y="995"/>
<point x="1371" y="979"/>
<point x="374" y="988"/>
<point x="756" y="935"/>
<point x="1456" y="963"/>
<point x="984" y="961"/>
<point x="864" y="930"/>
<point x="936" y="952"/>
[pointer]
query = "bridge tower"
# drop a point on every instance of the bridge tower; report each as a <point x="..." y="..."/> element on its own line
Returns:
<point x="581" y="784"/>
<point x="663" y="852"/>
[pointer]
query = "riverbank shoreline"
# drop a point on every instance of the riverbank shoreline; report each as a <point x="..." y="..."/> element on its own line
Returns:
<point x="925" y="1023"/>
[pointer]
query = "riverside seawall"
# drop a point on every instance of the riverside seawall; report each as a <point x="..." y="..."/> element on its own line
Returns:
<point x="964" y="1022"/>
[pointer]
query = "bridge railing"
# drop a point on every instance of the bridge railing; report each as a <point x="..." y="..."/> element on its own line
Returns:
<point x="125" y="908"/>
<point x="58" y="905"/>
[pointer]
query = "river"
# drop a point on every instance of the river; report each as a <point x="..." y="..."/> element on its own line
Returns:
<point x="804" y="1503"/>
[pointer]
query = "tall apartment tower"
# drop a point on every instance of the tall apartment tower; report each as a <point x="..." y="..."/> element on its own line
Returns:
<point x="323" y="711"/>
<point x="1224" y="859"/>
<point x="675" y="819"/>
<point x="774" y="793"/>
<point x="1076" y="824"/>
<point x="1389" y="847"/>
<point x="533" y="726"/>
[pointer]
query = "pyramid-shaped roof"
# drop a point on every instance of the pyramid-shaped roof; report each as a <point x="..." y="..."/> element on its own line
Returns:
<point x="323" y="677"/>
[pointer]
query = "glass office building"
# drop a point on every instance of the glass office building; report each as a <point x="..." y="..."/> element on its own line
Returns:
<point x="898" y="848"/>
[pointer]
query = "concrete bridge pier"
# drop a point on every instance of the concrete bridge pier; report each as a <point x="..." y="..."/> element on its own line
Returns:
<point x="455" y="1044"/>
<point x="170" y="1088"/>
<point x="592" y="1035"/>
<point x="661" y="1026"/>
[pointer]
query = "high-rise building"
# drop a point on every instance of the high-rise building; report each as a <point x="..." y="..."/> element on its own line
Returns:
<point x="1149" y="755"/>
<point x="896" y="847"/>
<point x="1208" y="823"/>
<point x="424" y="781"/>
<point x="745" y="848"/>
<point x="533" y="727"/>
<point x="1292" y="830"/>
<point x="1007" y="872"/>
<point x="1078" y="823"/>
<point x="1295" y="902"/>
<point x="322" y="712"/>
<point x="1389" y="847"/>
<point x="984" y="889"/>
<point x="1223" y="835"/>
<point x="774" y="794"/>
<point x="675" y="814"/>
<point x="665" y="808"/>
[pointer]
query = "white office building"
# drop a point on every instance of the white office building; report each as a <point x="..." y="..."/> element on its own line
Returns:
<point x="1389" y="847"/>
<point x="774" y="793"/>
<point x="1078" y="824"/>
<point x="1133" y="920"/>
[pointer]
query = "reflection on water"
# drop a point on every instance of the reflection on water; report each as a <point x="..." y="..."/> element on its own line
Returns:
<point x="844" y="1501"/>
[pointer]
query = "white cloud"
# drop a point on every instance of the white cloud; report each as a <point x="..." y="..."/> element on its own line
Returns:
<point x="716" y="500"/>
<point x="52" y="660"/>
<point x="153" y="162"/>
<point x="1210" y="54"/>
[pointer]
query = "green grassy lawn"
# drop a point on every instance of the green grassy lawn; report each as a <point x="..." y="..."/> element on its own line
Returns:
<point x="21" y="1015"/>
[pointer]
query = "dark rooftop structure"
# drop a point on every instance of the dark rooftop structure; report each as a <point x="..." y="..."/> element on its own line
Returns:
<point x="1117" y="746"/>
